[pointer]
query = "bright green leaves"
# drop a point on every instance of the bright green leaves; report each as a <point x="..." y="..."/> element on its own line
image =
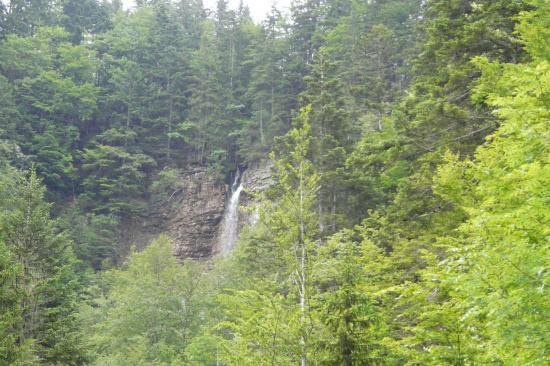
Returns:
<point x="262" y="326"/>
<point x="150" y="311"/>
<point x="499" y="266"/>
<point x="534" y="30"/>
<point x="282" y="327"/>
<point x="10" y="305"/>
<point x="440" y="111"/>
<point x="348" y="304"/>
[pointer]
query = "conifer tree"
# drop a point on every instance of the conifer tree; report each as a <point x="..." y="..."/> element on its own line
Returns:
<point x="268" y="91"/>
<point x="10" y="306"/>
<point x="207" y="96"/>
<point x="292" y="229"/>
<point x="497" y="260"/>
<point x="334" y="134"/>
<point x="83" y="17"/>
<point x="47" y="282"/>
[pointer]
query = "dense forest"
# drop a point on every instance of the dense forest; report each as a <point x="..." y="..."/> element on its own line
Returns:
<point x="408" y="219"/>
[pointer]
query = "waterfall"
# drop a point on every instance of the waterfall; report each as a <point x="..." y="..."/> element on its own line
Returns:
<point x="230" y="223"/>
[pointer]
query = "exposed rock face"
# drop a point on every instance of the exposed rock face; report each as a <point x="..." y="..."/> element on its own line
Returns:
<point x="138" y="233"/>
<point x="256" y="179"/>
<point x="196" y="216"/>
<point x="192" y="216"/>
<point x="195" y="225"/>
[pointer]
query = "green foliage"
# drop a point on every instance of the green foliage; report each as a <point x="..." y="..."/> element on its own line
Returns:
<point x="503" y="245"/>
<point x="46" y="286"/>
<point x="269" y="91"/>
<point x="348" y="304"/>
<point x="118" y="181"/>
<point x="440" y="109"/>
<point x="52" y="82"/>
<point x="92" y="236"/>
<point x="166" y="185"/>
<point x="407" y="222"/>
<point x="10" y="306"/>
<point x="357" y="75"/>
<point x="281" y="330"/>
<point x="149" y="312"/>
<point x="81" y="18"/>
<point x="23" y="17"/>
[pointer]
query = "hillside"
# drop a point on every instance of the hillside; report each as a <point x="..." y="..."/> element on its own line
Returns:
<point x="356" y="182"/>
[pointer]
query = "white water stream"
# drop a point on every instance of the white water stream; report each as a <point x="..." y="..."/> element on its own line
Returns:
<point x="230" y="224"/>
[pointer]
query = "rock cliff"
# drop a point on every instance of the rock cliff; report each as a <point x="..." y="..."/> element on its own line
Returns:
<point x="197" y="214"/>
<point x="192" y="216"/>
<point x="256" y="179"/>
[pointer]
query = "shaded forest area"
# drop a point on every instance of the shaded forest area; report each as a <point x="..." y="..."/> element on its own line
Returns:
<point x="407" y="223"/>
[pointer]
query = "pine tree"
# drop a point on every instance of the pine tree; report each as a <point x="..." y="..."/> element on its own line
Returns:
<point x="268" y="93"/>
<point x="10" y="306"/>
<point x="441" y="112"/>
<point x="47" y="282"/>
<point x="83" y="17"/>
<point x="291" y="225"/>
<point x="334" y="134"/>
<point x="204" y="116"/>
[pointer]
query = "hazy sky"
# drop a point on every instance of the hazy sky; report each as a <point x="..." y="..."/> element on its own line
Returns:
<point x="258" y="8"/>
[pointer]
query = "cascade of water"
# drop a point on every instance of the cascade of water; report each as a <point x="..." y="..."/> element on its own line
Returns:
<point x="230" y="223"/>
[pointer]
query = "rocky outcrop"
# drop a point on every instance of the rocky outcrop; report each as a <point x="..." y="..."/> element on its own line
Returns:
<point x="196" y="223"/>
<point x="256" y="179"/>
<point x="197" y="214"/>
<point x="192" y="215"/>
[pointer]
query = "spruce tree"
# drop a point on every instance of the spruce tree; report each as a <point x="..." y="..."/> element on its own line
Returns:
<point x="47" y="282"/>
<point x="10" y="306"/>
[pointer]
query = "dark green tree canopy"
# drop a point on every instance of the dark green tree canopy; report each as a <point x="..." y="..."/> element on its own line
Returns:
<point x="405" y="221"/>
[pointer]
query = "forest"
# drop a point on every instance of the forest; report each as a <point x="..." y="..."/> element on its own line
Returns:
<point x="408" y="218"/>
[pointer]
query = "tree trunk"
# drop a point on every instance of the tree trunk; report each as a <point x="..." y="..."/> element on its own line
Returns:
<point x="302" y="273"/>
<point x="262" y="122"/>
<point x="170" y="116"/>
